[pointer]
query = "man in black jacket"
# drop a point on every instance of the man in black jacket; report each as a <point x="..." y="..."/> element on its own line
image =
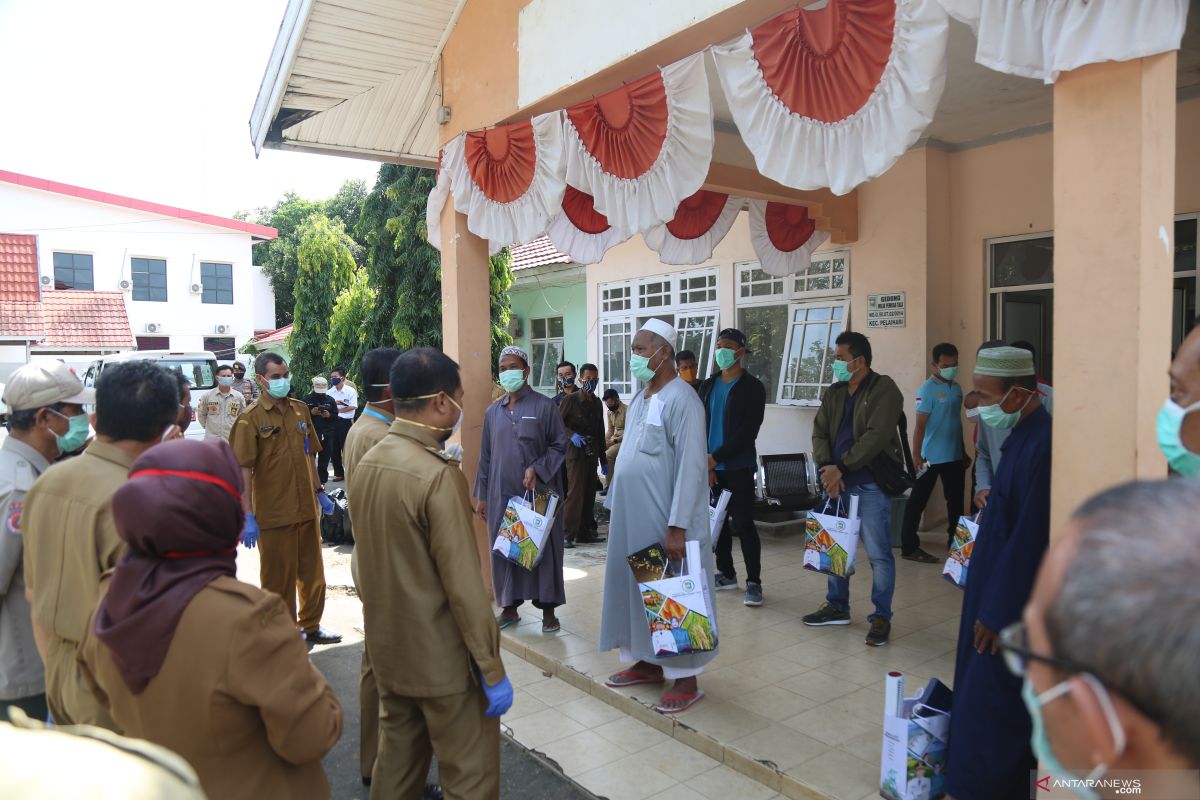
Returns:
<point x="324" y="416"/>
<point x="734" y="402"/>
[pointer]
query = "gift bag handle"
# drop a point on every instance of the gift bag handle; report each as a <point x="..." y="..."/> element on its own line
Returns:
<point x="837" y="510"/>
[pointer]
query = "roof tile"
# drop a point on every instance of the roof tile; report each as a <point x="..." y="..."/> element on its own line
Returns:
<point x="18" y="267"/>
<point x="537" y="253"/>
<point x="84" y="320"/>
<point x="21" y="319"/>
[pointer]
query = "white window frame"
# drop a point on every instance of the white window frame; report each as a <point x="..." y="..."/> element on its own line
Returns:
<point x="705" y="354"/>
<point x="709" y="276"/>
<point x="623" y="383"/>
<point x="997" y="323"/>
<point x="800" y="293"/>
<point x="547" y="340"/>
<point x="1180" y="326"/>
<point x="843" y="304"/>
<point x="627" y="301"/>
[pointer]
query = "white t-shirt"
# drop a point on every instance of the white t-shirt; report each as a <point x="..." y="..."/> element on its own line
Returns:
<point x="345" y="396"/>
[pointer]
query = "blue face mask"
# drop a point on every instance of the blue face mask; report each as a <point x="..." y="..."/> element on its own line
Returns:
<point x="512" y="379"/>
<point x="279" y="387"/>
<point x="1040" y="740"/>
<point x="588" y="387"/>
<point x="76" y="435"/>
<point x="1170" y="421"/>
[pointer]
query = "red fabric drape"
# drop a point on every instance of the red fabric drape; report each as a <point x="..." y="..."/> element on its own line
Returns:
<point x="697" y="214"/>
<point x="788" y="226"/>
<point x="503" y="160"/>
<point x="825" y="64"/>
<point x="580" y="209"/>
<point x="624" y="129"/>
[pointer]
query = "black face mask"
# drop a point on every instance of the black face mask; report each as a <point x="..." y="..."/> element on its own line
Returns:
<point x="566" y="381"/>
<point x="612" y="407"/>
<point x="237" y="376"/>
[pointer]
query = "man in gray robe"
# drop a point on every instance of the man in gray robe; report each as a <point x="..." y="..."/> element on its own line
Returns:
<point x="524" y="444"/>
<point x="661" y="498"/>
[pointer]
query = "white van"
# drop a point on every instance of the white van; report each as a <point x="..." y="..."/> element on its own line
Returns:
<point x="200" y="368"/>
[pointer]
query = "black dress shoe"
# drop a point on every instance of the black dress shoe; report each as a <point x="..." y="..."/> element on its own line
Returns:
<point x="321" y="636"/>
<point x="432" y="792"/>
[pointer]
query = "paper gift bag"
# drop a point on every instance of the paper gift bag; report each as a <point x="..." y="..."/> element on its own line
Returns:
<point x="679" y="608"/>
<point x="716" y="515"/>
<point x="523" y="531"/>
<point x="916" y="734"/>
<point x="831" y="540"/>
<point x="955" y="569"/>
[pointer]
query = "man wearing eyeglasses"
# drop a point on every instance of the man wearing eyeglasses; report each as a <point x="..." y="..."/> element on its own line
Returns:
<point x="990" y="755"/>
<point x="1110" y="691"/>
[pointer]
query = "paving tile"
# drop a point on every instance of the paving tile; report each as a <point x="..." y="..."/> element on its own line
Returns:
<point x="582" y="752"/>
<point x="678" y="792"/>
<point x="731" y="681"/>
<point x="819" y="685"/>
<point x="627" y="779"/>
<point x="865" y="703"/>
<point x="854" y="669"/>
<point x="630" y="735"/>
<point x="554" y="691"/>
<point x="828" y="725"/>
<point x="782" y="746"/>
<point x="811" y="654"/>
<point x="590" y="712"/>
<point x="770" y="669"/>
<point x="895" y="657"/>
<point x="677" y="760"/>
<point x="776" y="703"/>
<point x="867" y="746"/>
<point x="537" y="729"/>
<point x="722" y="721"/>
<point x="840" y="775"/>
<point x="520" y="672"/>
<point x="722" y="783"/>
<point x="523" y="705"/>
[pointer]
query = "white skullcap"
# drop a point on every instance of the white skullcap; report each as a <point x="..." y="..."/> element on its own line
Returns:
<point x="662" y="328"/>
<point x="513" y="350"/>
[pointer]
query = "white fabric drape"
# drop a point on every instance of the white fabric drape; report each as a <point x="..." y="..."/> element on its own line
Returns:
<point x="687" y="252"/>
<point x="805" y="153"/>
<point x="581" y="246"/>
<point x="433" y="210"/>
<point x="1042" y="38"/>
<point x="521" y="220"/>
<point x="637" y="204"/>
<point x="773" y="260"/>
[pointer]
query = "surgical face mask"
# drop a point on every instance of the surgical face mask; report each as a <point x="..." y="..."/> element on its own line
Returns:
<point x="1170" y="422"/>
<point x="76" y="435"/>
<point x="446" y="432"/>
<point x="588" y="387"/>
<point x="512" y="379"/>
<point x="725" y="357"/>
<point x="972" y="413"/>
<point x="640" y="366"/>
<point x="279" y="387"/>
<point x="225" y="380"/>
<point x="1040" y="739"/>
<point x="948" y="373"/>
<point x="994" y="416"/>
<point x="841" y="371"/>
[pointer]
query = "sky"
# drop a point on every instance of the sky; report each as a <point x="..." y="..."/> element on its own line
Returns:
<point x="150" y="99"/>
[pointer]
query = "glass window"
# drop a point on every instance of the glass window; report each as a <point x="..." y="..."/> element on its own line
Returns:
<point x="546" y="351"/>
<point x="828" y="275"/>
<point x="614" y="298"/>
<point x="73" y="271"/>
<point x="654" y="293"/>
<point x="808" y="362"/>
<point x="753" y="282"/>
<point x="766" y="334"/>
<point x="1185" y="244"/>
<point x="1024" y="262"/>
<point x="217" y="280"/>
<point x="616" y="337"/>
<point x="200" y="374"/>
<point x="698" y="333"/>
<point x="149" y="279"/>
<point x="223" y="347"/>
<point x="698" y="289"/>
<point x="1022" y="303"/>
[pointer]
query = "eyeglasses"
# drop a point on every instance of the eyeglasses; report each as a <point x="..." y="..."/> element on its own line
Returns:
<point x="1014" y="644"/>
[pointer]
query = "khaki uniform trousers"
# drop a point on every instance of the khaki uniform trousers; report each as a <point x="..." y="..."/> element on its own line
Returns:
<point x="70" y="699"/>
<point x="290" y="560"/>
<point x="368" y="708"/>
<point x="611" y="456"/>
<point x="467" y="744"/>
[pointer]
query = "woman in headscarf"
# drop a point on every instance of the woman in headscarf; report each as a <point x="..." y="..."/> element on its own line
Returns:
<point x="188" y="657"/>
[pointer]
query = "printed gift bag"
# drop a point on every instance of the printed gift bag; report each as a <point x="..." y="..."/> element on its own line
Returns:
<point x="523" y="531"/>
<point x="955" y="569"/>
<point x="916" y="734"/>
<point x="716" y="515"/>
<point x="678" y="607"/>
<point x="831" y="540"/>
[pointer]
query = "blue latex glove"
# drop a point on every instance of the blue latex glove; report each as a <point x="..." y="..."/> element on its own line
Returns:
<point x="499" y="697"/>
<point x="578" y="440"/>
<point x="604" y="470"/>
<point x="250" y="532"/>
<point x="325" y="503"/>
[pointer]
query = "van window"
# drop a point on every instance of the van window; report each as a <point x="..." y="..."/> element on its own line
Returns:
<point x="200" y="374"/>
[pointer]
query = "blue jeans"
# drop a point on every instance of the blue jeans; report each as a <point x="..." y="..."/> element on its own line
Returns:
<point x="875" y="512"/>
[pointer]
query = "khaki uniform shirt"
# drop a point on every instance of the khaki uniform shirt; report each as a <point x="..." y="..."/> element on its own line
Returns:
<point x="21" y="672"/>
<point x="70" y="541"/>
<point x="365" y="433"/>
<point x="218" y="411"/>
<point x="236" y="696"/>
<point x="249" y="389"/>
<point x="426" y="611"/>
<point x="616" y="424"/>
<point x="275" y="438"/>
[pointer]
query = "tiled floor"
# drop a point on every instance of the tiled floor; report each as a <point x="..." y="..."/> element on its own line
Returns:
<point x="797" y="709"/>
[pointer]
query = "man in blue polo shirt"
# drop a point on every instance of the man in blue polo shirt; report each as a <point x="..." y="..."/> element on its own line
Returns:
<point x="937" y="450"/>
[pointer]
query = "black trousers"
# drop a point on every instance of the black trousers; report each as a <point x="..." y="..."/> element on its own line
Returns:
<point x="325" y="437"/>
<point x="739" y="521"/>
<point x="337" y="441"/>
<point x="953" y="476"/>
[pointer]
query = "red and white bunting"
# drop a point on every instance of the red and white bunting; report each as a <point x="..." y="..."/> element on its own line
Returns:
<point x="699" y="225"/>
<point x="582" y="232"/>
<point x="784" y="237"/>
<point x="507" y="179"/>
<point x="642" y="148"/>
<point x="434" y="206"/>
<point x="832" y="96"/>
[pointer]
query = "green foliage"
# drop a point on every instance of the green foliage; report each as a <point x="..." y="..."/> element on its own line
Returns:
<point x="346" y="344"/>
<point x="325" y="268"/>
<point x="501" y="281"/>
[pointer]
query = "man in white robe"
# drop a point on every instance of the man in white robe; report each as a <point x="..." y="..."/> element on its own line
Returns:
<point x="661" y="498"/>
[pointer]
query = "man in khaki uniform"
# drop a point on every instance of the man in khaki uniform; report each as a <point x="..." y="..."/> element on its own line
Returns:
<point x="276" y="445"/>
<point x="365" y="433"/>
<point x="432" y="637"/>
<point x="219" y="408"/>
<point x="45" y="418"/>
<point x="70" y="539"/>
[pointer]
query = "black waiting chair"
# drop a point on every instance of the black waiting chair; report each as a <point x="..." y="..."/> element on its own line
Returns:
<point x="787" y="483"/>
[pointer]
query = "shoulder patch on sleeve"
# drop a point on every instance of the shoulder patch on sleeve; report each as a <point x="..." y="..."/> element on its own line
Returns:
<point x="442" y="454"/>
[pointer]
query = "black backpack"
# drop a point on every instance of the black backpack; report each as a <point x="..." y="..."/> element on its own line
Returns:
<point x="336" y="528"/>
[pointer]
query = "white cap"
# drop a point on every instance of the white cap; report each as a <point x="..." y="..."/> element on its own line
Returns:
<point x="662" y="328"/>
<point x="43" y="384"/>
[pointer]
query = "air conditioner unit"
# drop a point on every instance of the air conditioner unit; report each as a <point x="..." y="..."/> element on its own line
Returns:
<point x="125" y="285"/>
<point x="514" y="325"/>
<point x="197" y="288"/>
<point x="222" y="329"/>
<point x="154" y="327"/>
<point x="47" y="280"/>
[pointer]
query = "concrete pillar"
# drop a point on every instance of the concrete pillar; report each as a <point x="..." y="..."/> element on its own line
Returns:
<point x="1114" y="189"/>
<point x="467" y="338"/>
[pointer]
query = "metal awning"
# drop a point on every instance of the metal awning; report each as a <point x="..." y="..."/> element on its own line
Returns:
<point x="355" y="78"/>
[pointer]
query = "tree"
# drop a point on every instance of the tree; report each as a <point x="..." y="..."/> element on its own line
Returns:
<point x="325" y="268"/>
<point x="501" y="281"/>
<point x="347" y="343"/>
